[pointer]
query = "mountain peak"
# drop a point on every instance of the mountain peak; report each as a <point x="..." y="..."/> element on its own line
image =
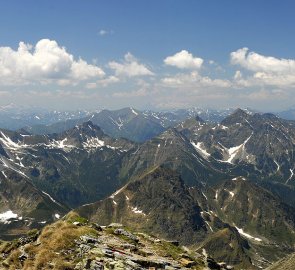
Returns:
<point x="199" y="119"/>
<point x="240" y="112"/>
<point x="238" y="115"/>
<point x="86" y="129"/>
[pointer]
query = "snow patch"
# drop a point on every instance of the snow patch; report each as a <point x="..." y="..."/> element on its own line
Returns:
<point x="93" y="143"/>
<point x="278" y="165"/>
<point x="223" y="127"/>
<point x="239" y="178"/>
<point x="204" y="195"/>
<point x="200" y="149"/>
<point x="292" y="173"/>
<point x="209" y="226"/>
<point x="4" y="217"/>
<point x="134" y="112"/>
<point x="4" y="174"/>
<point x="241" y="232"/>
<point x="233" y="151"/>
<point x="137" y="211"/>
<point x="232" y="194"/>
<point x="51" y="198"/>
<point x="116" y="193"/>
<point x="8" y="142"/>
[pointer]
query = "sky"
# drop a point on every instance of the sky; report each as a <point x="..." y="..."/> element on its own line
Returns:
<point x="152" y="54"/>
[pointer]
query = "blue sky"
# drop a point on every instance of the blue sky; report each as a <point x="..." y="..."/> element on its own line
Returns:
<point x="148" y="54"/>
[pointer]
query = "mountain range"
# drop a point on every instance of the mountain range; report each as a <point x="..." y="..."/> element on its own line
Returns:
<point x="225" y="188"/>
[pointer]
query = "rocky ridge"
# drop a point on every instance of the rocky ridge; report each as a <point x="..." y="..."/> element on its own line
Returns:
<point x="75" y="244"/>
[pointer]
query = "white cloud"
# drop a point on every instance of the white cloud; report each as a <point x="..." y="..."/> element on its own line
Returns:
<point x="130" y="67"/>
<point x="260" y="63"/>
<point x="184" y="60"/>
<point x="103" y="32"/>
<point x="109" y="80"/>
<point x="91" y="85"/>
<point x="45" y="63"/>
<point x="103" y="82"/>
<point x="266" y="70"/>
<point x="194" y="80"/>
<point x="142" y="92"/>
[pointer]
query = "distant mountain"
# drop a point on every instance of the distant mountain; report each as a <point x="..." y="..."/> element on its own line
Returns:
<point x="173" y="117"/>
<point x="287" y="114"/>
<point x="22" y="205"/>
<point x="132" y="124"/>
<point x="258" y="144"/>
<point x="126" y="123"/>
<point x="75" y="167"/>
<point x="14" y="117"/>
<point x="176" y="152"/>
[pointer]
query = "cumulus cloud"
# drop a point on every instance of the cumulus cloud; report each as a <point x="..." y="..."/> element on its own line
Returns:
<point x="256" y="62"/>
<point x="184" y="60"/>
<point x="266" y="69"/>
<point x="130" y="67"/>
<point x="45" y="62"/>
<point x="109" y="80"/>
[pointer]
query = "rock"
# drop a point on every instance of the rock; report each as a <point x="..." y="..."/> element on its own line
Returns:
<point x="127" y="234"/>
<point x="213" y="265"/>
<point x="115" y="225"/>
<point x="108" y="253"/>
<point x="187" y="263"/>
<point x="90" y="264"/>
<point x="77" y="223"/>
<point x="88" y="239"/>
<point x="23" y="257"/>
<point x="27" y="239"/>
<point x="130" y="247"/>
<point x="84" y="248"/>
<point x="96" y="265"/>
<point x="132" y="264"/>
<point x="97" y="251"/>
<point x="117" y="265"/>
<point x="174" y="242"/>
<point x="149" y="263"/>
<point x="96" y="227"/>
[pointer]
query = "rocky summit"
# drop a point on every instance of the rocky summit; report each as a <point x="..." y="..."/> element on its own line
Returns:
<point x="74" y="243"/>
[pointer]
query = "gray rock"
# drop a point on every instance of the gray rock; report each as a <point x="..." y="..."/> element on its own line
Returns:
<point x="127" y="234"/>
<point x="88" y="239"/>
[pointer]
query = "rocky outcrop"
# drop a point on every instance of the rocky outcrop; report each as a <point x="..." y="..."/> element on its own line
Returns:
<point x="75" y="244"/>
